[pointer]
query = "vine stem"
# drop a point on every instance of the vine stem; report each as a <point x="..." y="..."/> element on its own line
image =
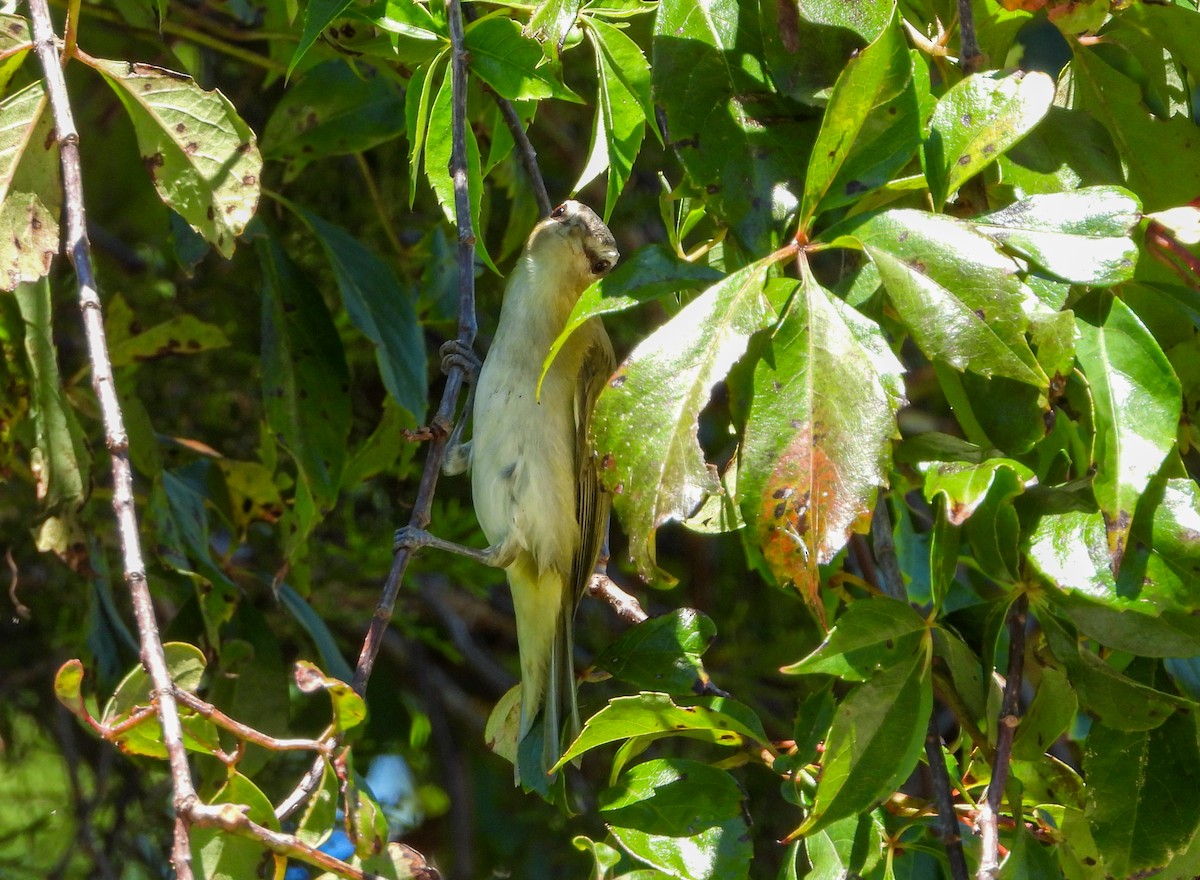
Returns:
<point x="79" y="251"/>
<point x="444" y="419"/>
<point x="989" y="811"/>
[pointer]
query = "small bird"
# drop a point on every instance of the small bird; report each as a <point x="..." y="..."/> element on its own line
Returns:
<point x="534" y="476"/>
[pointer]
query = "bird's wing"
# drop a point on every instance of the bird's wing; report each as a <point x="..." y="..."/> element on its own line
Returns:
<point x="592" y="503"/>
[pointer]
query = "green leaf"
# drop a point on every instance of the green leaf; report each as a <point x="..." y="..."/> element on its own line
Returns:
<point x="1150" y="607"/>
<point x="1115" y="699"/>
<point x="856" y="114"/>
<point x="218" y="855"/>
<point x="620" y="122"/>
<point x="1156" y="153"/>
<point x="438" y="147"/>
<point x="737" y="139"/>
<point x="318" y="630"/>
<point x="977" y="120"/>
<point x="511" y="63"/>
<point x="180" y="335"/>
<point x="15" y="43"/>
<point x="817" y="444"/>
<point x="381" y="308"/>
<point x="68" y="688"/>
<point x="30" y="191"/>
<point x="321" y="813"/>
<point x="871" y="635"/>
<point x="1143" y="793"/>
<point x="604" y="857"/>
<point x="662" y="653"/>
<point x="305" y="380"/>
<point x="645" y="429"/>
<point x="552" y="21"/>
<point x="958" y="296"/>
<point x="416" y="117"/>
<point x="877" y="737"/>
<point x="1081" y="237"/>
<point x="713" y="719"/>
<point x="318" y="15"/>
<point x="333" y="110"/>
<point x="1136" y="407"/>
<point x="202" y="157"/>
<point x="964" y="486"/>
<point x="185" y="663"/>
<point x="681" y="817"/>
<point x="1067" y="150"/>
<point x="653" y="270"/>
<point x="1048" y="716"/>
<point x="181" y="522"/>
<point x="850" y="847"/>
<point x="60" y="461"/>
<point x="349" y="710"/>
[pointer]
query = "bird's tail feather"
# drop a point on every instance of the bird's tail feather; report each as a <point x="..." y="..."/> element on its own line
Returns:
<point x="544" y="613"/>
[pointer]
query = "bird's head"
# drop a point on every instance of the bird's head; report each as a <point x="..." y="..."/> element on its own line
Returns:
<point x="577" y="242"/>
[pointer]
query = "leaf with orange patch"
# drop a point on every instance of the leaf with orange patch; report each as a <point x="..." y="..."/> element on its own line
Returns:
<point x="818" y="438"/>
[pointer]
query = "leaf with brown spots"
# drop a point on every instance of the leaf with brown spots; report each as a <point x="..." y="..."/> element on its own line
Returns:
<point x="202" y="157"/>
<point x="960" y="298"/>
<point x="817" y="445"/>
<point x="30" y="192"/>
<point x="977" y="121"/>
<point x="646" y="425"/>
<point x="181" y="335"/>
<point x="15" y="44"/>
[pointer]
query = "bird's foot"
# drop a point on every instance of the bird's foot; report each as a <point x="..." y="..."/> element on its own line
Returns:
<point x="410" y="538"/>
<point x="456" y="355"/>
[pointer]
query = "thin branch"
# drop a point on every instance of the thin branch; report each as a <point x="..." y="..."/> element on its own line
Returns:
<point x="444" y="419"/>
<point x="19" y="607"/>
<point x="989" y="811"/>
<point x="152" y="654"/>
<point x="947" y="817"/>
<point x="970" y="58"/>
<point x="244" y="732"/>
<point x="526" y="153"/>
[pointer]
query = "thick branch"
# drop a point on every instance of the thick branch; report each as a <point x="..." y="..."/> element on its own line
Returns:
<point x="78" y="250"/>
<point x="989" y="811"/>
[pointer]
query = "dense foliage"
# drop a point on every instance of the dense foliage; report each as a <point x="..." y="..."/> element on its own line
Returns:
<point x="901" y="440"/>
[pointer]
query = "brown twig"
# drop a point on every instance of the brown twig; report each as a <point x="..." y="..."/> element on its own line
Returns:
<point x="970" y="57"/>
<point x="78" y="250"/>
<point x="444" y="419"/>
<point x="601" y="586"/>
<point x="526" y="153"/>
<point x="244" y="732"/>
<point x="989" y="859"/>
<point x="887" y="568"/>
<point x="947" y="816"/>
<point x="19" y="607"/>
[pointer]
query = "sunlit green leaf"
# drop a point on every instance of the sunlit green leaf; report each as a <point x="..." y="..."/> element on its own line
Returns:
<point x="964" y="486"/>
<point x="1081" y="236"/>
<point x="201" y="156"/>
<point x="510" y="62"/>
<point x="958" y="296"/>
<point x="870" y="80"/>
<point x="1136" y="400"/>
<point x="977" y="121"/>
<point x="877" y="736"/>
<point x="645" y="429"/>
<point x="682" y="817"/>
<point x="30" y="192"/>
<point x="869" y="636"/>
<point x="349" y="710"/>
<point x="662" y="653"/>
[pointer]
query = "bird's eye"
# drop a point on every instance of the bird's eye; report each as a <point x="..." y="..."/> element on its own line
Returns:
<point x="600" y="267"/>
<point x="560" y="211"/>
